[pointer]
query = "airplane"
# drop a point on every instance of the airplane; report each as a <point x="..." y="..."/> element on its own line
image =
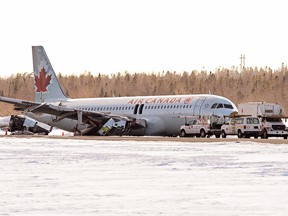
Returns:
<point x="133" y="115"/>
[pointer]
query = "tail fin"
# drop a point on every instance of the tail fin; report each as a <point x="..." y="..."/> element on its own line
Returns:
<point x="47" y="87"/>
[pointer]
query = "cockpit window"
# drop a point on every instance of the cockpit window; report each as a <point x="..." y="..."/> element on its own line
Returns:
<point x="220" y="106"/>
<point x="228" y="106"/>
<point x="214" y="106"/>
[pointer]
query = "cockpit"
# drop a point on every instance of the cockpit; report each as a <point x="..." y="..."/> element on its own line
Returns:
<point x="221" y="105"/>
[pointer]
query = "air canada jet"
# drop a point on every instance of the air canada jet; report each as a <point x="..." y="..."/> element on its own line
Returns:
<point x="136" y="115"/>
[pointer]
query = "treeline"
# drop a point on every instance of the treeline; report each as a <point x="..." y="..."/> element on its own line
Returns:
<point x="251" y="84"/>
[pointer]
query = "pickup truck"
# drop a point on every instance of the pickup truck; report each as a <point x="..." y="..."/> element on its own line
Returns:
<point x="195" y="127"/>
<point x="245" y="126"/>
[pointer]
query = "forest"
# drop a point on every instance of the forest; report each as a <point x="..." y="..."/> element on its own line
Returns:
<point x="249" y="84"/>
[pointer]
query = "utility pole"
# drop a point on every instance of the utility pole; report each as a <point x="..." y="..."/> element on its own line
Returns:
<point x="242" y="62"/>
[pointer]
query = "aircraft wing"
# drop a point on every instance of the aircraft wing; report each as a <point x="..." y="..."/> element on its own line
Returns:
<point x="19" y="104"/>
<point x="94" y="121"/>
<point x="57" y="110"/>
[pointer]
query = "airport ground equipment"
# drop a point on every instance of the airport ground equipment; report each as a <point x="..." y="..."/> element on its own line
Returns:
<point x="271" y="116"/>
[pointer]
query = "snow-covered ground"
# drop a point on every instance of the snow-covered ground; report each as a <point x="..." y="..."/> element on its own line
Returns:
<point x="42" y="176"/>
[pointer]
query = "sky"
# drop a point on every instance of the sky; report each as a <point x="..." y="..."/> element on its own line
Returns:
<point x="142" y="35"/>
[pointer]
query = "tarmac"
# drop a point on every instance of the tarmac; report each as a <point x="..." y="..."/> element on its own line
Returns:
<point x="153" y="138"/>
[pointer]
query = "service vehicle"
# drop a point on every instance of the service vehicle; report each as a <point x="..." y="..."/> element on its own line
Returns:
<point x="200" y="127"/>
<point x="270" y="114"/>
<point x="244" y="126"/>
<point x="195" y="127"/>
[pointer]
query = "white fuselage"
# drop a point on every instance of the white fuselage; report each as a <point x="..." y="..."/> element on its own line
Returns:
<point x="160" y="112"/>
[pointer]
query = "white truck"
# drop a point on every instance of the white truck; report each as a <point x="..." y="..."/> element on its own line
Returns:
<point x="242" y="126"/>
<point x="199" y="127"/>
<point x="270" y="114"/>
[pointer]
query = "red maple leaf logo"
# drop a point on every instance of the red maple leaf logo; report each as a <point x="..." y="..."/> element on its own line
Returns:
<point x="41" y="81"/>
<point x="187" y="100"/>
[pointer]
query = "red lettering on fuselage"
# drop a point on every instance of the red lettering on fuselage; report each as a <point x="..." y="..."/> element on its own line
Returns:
<point x="166" y="100"/>
<point x="155" y="100"/>
<point x="131" y="101"/>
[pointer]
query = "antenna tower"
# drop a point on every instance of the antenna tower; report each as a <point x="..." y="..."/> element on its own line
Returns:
<point x="242" y="62"/>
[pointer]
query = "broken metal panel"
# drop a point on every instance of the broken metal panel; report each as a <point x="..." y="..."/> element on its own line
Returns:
<point x="22" y="125"/>
<point x="106" y="127"/>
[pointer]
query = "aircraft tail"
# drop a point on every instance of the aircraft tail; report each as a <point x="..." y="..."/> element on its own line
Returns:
<point x="47" y="87"/>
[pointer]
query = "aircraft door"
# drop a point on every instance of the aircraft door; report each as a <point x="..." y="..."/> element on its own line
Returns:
<point x="198" y="105"/>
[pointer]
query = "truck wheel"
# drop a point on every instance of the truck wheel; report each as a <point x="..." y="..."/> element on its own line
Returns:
<point x="264" y="134"/>
<point x="285" y="137"/>
<point x="240" y="134"/>
<point x="202" y="133"/>
<point x="182" y="133"/>
<point x="223" y="134"/>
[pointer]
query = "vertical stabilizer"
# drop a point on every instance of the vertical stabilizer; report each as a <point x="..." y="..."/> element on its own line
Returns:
<point x="47" y="87"/>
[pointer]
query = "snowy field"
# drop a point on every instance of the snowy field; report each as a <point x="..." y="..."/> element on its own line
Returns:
<point x="41" y="176"/>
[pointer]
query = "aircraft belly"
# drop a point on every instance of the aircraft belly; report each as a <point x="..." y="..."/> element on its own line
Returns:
<point x="155" y="126"/>
<point x="173" y="125"/>
<point x="163" y="125"/>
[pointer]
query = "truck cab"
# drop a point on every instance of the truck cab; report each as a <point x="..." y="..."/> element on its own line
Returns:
<point x="273" y="126"/>
<point x="245" y="126"/>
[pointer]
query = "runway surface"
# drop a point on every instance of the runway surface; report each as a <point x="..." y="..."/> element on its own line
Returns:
<point x="81" y="176"/>
<point x="273" y="140"/>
